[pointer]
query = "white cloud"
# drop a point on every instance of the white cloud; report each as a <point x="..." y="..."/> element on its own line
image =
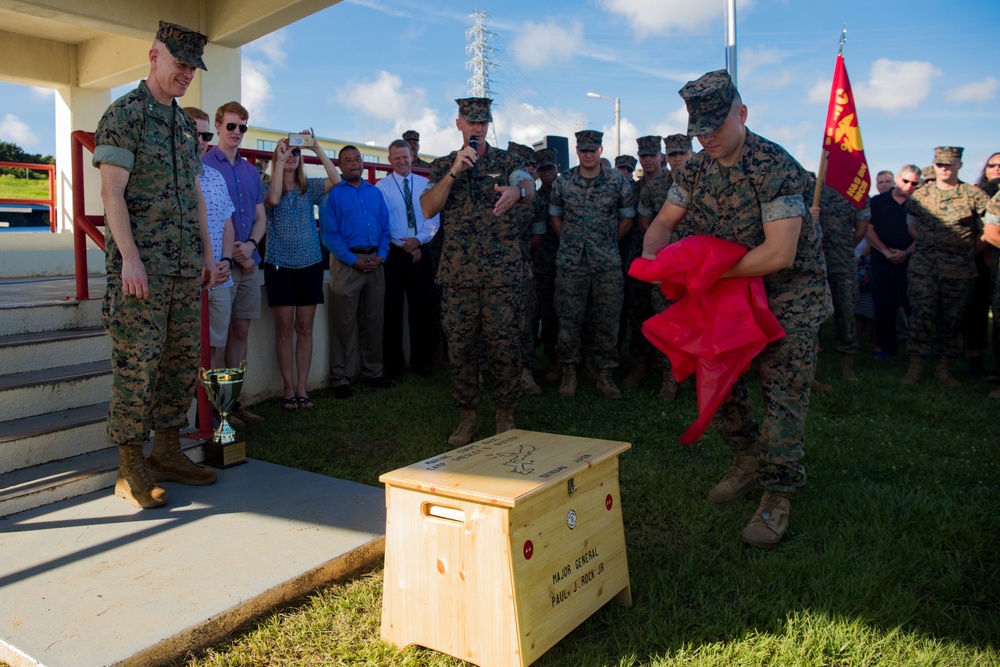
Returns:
<point x="820" y="92"/>
<point x="44" y="93"/>
<point x="16" y="131"/>
<point x="977" y="91"/>
<point x="527" y="124"/>
<point x="751" y="59"/>
<point x="676" y="122"/>
<point x="895" y="86"/>
<point x="659" y="17"/>
<point x="546" y="44"/>
<point x="257" y="73"/>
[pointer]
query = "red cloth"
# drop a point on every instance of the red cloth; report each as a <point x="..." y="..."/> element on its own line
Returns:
<point x="715" y="327"/>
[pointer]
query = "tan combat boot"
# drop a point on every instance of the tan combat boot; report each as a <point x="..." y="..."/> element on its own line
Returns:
<point x="567" y="387"/>
<point x="606" y="385"/>
<point x="769" y="524"/>
<point x="167" y="463"/>
<point x="915" y="374"/>
<point x="739" y="481"/>
<point x="638" y="372"/>
<point x="821" y="386"/>
<point x="467" y="429"/>
<point x="668" y="391"/>
<point x="528" y="384"/>
<point x="847" y="367"/>
<point x="133" y="483"/>
<point x="942" y="373"/>
<point x="505" y="420"/>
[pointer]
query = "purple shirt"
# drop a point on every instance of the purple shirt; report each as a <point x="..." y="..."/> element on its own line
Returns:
<point x="243" y="181"/>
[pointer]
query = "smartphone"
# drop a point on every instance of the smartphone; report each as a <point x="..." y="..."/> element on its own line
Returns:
<point x="303" y="140"/>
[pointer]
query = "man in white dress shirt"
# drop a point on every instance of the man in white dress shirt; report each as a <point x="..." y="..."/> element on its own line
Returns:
<point x="408" y="267"/>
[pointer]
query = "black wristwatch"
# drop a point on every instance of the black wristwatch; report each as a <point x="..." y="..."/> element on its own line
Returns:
<point x="232" y="262"/>
<point x="522" y="191"/>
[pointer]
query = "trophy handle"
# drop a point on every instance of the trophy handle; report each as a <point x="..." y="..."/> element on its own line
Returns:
<point x="243" y="366"/>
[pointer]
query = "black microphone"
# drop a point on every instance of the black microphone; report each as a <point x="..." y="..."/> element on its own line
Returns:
<point x="474" y="143"/>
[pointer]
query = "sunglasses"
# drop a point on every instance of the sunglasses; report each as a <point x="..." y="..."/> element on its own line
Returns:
<point x="993" y="165"/>
<point x="296" y="152"/>
<point x="917" y="182"/>
<point x="206" y="136"/>
<point x="944" y="166"/>
<point x="232" y="126"/>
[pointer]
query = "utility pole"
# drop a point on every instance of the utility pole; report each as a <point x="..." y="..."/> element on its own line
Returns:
<point x="480" y="52"/>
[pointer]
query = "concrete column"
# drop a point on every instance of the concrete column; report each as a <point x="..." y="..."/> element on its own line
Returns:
<point x="76" y="109"/>
<point x="220" y="84"/>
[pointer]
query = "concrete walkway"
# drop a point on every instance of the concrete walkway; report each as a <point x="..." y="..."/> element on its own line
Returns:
<point x="91" y="581"/>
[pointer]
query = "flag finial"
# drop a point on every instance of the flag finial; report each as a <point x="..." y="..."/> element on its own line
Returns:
<point x="843" y="38"/>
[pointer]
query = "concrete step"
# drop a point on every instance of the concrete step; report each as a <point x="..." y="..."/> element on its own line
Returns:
<point x="40" y="485"/>
<point x="52" y="389"/>
<point x="44" y="438"/>
<point x="93" y="581"/>
<point x="19" y="318"/>
<point x="45" y="349"/>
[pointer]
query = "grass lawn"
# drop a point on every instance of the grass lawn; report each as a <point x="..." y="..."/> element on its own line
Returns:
<point x="892" y="557"/>
<point x="18" y="187"/>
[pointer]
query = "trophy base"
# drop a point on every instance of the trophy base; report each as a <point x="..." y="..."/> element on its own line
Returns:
<point x="225" y="456"/>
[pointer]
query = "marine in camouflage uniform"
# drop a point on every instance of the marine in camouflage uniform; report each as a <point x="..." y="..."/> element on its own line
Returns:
<point x="412" y="137"/>
<point x="734" y="188"/>
<point x="533" y="229"/>
<point x="843" y="227"/>
<point x="591" y="208"/>
<point x="157" y="258"/>
<point x="945" y="218"/>
<point x="482" y="264"/>
<point x="543" y="256"/>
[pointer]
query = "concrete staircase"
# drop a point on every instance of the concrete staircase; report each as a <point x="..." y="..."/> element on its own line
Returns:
<point x="55" y="379"/>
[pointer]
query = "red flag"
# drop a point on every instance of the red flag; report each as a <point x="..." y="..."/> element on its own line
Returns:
<point x="846" y="169"/>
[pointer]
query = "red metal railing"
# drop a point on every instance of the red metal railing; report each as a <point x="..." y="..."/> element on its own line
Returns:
<point x="49" y="169"/>
<point x="85" y="226"/>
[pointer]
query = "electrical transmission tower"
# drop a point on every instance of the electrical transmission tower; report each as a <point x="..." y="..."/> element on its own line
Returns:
<point x="480" y="51"/>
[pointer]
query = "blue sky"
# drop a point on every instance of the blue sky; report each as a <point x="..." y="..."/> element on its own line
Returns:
<point x="365" y="70"/>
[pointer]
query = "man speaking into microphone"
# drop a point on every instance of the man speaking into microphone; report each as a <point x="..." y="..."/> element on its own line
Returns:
<point x="480" y="273"/>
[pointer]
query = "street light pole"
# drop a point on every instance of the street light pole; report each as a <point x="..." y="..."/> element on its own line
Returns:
<point x="618" y="119"/>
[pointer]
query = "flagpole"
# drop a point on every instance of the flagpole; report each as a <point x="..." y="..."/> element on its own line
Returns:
<point x="821" y="173"/>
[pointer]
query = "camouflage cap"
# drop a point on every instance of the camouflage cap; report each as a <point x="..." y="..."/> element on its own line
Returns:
<point x="948" y="154"/>
<point x="649" y="145"/>
<point x="184" y="44"/>
<point x="589" y="140"/>
<point x="521" y="150"/>
<point x="928" y="173"/>
<point x="411" y="135"/>
<point x="475" y="109"/>
<point x="627" y="161"/>
<point x="708" y="101"/>
<point x="545" y="158"/>
<point x="676" y="143"/>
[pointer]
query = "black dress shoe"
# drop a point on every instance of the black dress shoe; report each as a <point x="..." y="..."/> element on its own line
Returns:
<point x="342" y="391"/>
<point x="377" y="383"/>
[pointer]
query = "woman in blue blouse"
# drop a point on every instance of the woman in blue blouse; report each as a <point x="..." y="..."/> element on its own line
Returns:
<point x="293" y="269"/>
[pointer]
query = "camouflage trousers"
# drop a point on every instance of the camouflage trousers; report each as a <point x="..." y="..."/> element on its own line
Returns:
<point x="606" y="291"/>
<point x="639" y="304"/>
<point x="937" y="306"/>
<point x="529" y="318"/>
<point x="843" y="280"/>
<point x="155" y="347"/>
<point x="545" y="289"/>
<point x="492" y="314"/>
<point x="786" y="368"/>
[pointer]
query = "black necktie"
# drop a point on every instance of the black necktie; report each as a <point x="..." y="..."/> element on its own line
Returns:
<point x="411" y="216"/>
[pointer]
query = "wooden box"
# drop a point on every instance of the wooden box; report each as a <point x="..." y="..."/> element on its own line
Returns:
<point x="497" y="550"/>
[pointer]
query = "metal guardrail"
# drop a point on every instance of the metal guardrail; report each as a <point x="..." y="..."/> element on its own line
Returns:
<point x="49" y="169"/>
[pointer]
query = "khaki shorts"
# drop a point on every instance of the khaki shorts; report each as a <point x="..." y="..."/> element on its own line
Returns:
<point x="220" y="309"/>
<point x="245" y="294"/>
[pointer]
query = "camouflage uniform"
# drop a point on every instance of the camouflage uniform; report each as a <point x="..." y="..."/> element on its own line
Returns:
<point x="481" y="273"/>
<point x="529" y="295"/>
<point x="155" y="341"/>
<point x="765" y="184"/>
<point x="942" y="268"/>
<point x="543" y="261"/>
<point x="588" y="262"/>
<point x="413" y="135"/>
<point x="837" y="219"/>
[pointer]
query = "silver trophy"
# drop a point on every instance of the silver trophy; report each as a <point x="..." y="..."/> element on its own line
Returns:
<point x="223" y="387"/>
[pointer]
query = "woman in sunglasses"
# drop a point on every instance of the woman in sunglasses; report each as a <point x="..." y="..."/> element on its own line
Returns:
<point x="293" y="265"/>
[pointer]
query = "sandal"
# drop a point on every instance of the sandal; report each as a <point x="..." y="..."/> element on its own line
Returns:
<point x="290" y="403"/>
<point x="305" y="402"/>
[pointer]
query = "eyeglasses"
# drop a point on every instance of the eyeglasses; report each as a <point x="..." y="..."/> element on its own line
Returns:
<point x="296" y="152"/>
<point x="993" y="165"/>
<point x="206" y="136"/>
<point x="232" y="126"/>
